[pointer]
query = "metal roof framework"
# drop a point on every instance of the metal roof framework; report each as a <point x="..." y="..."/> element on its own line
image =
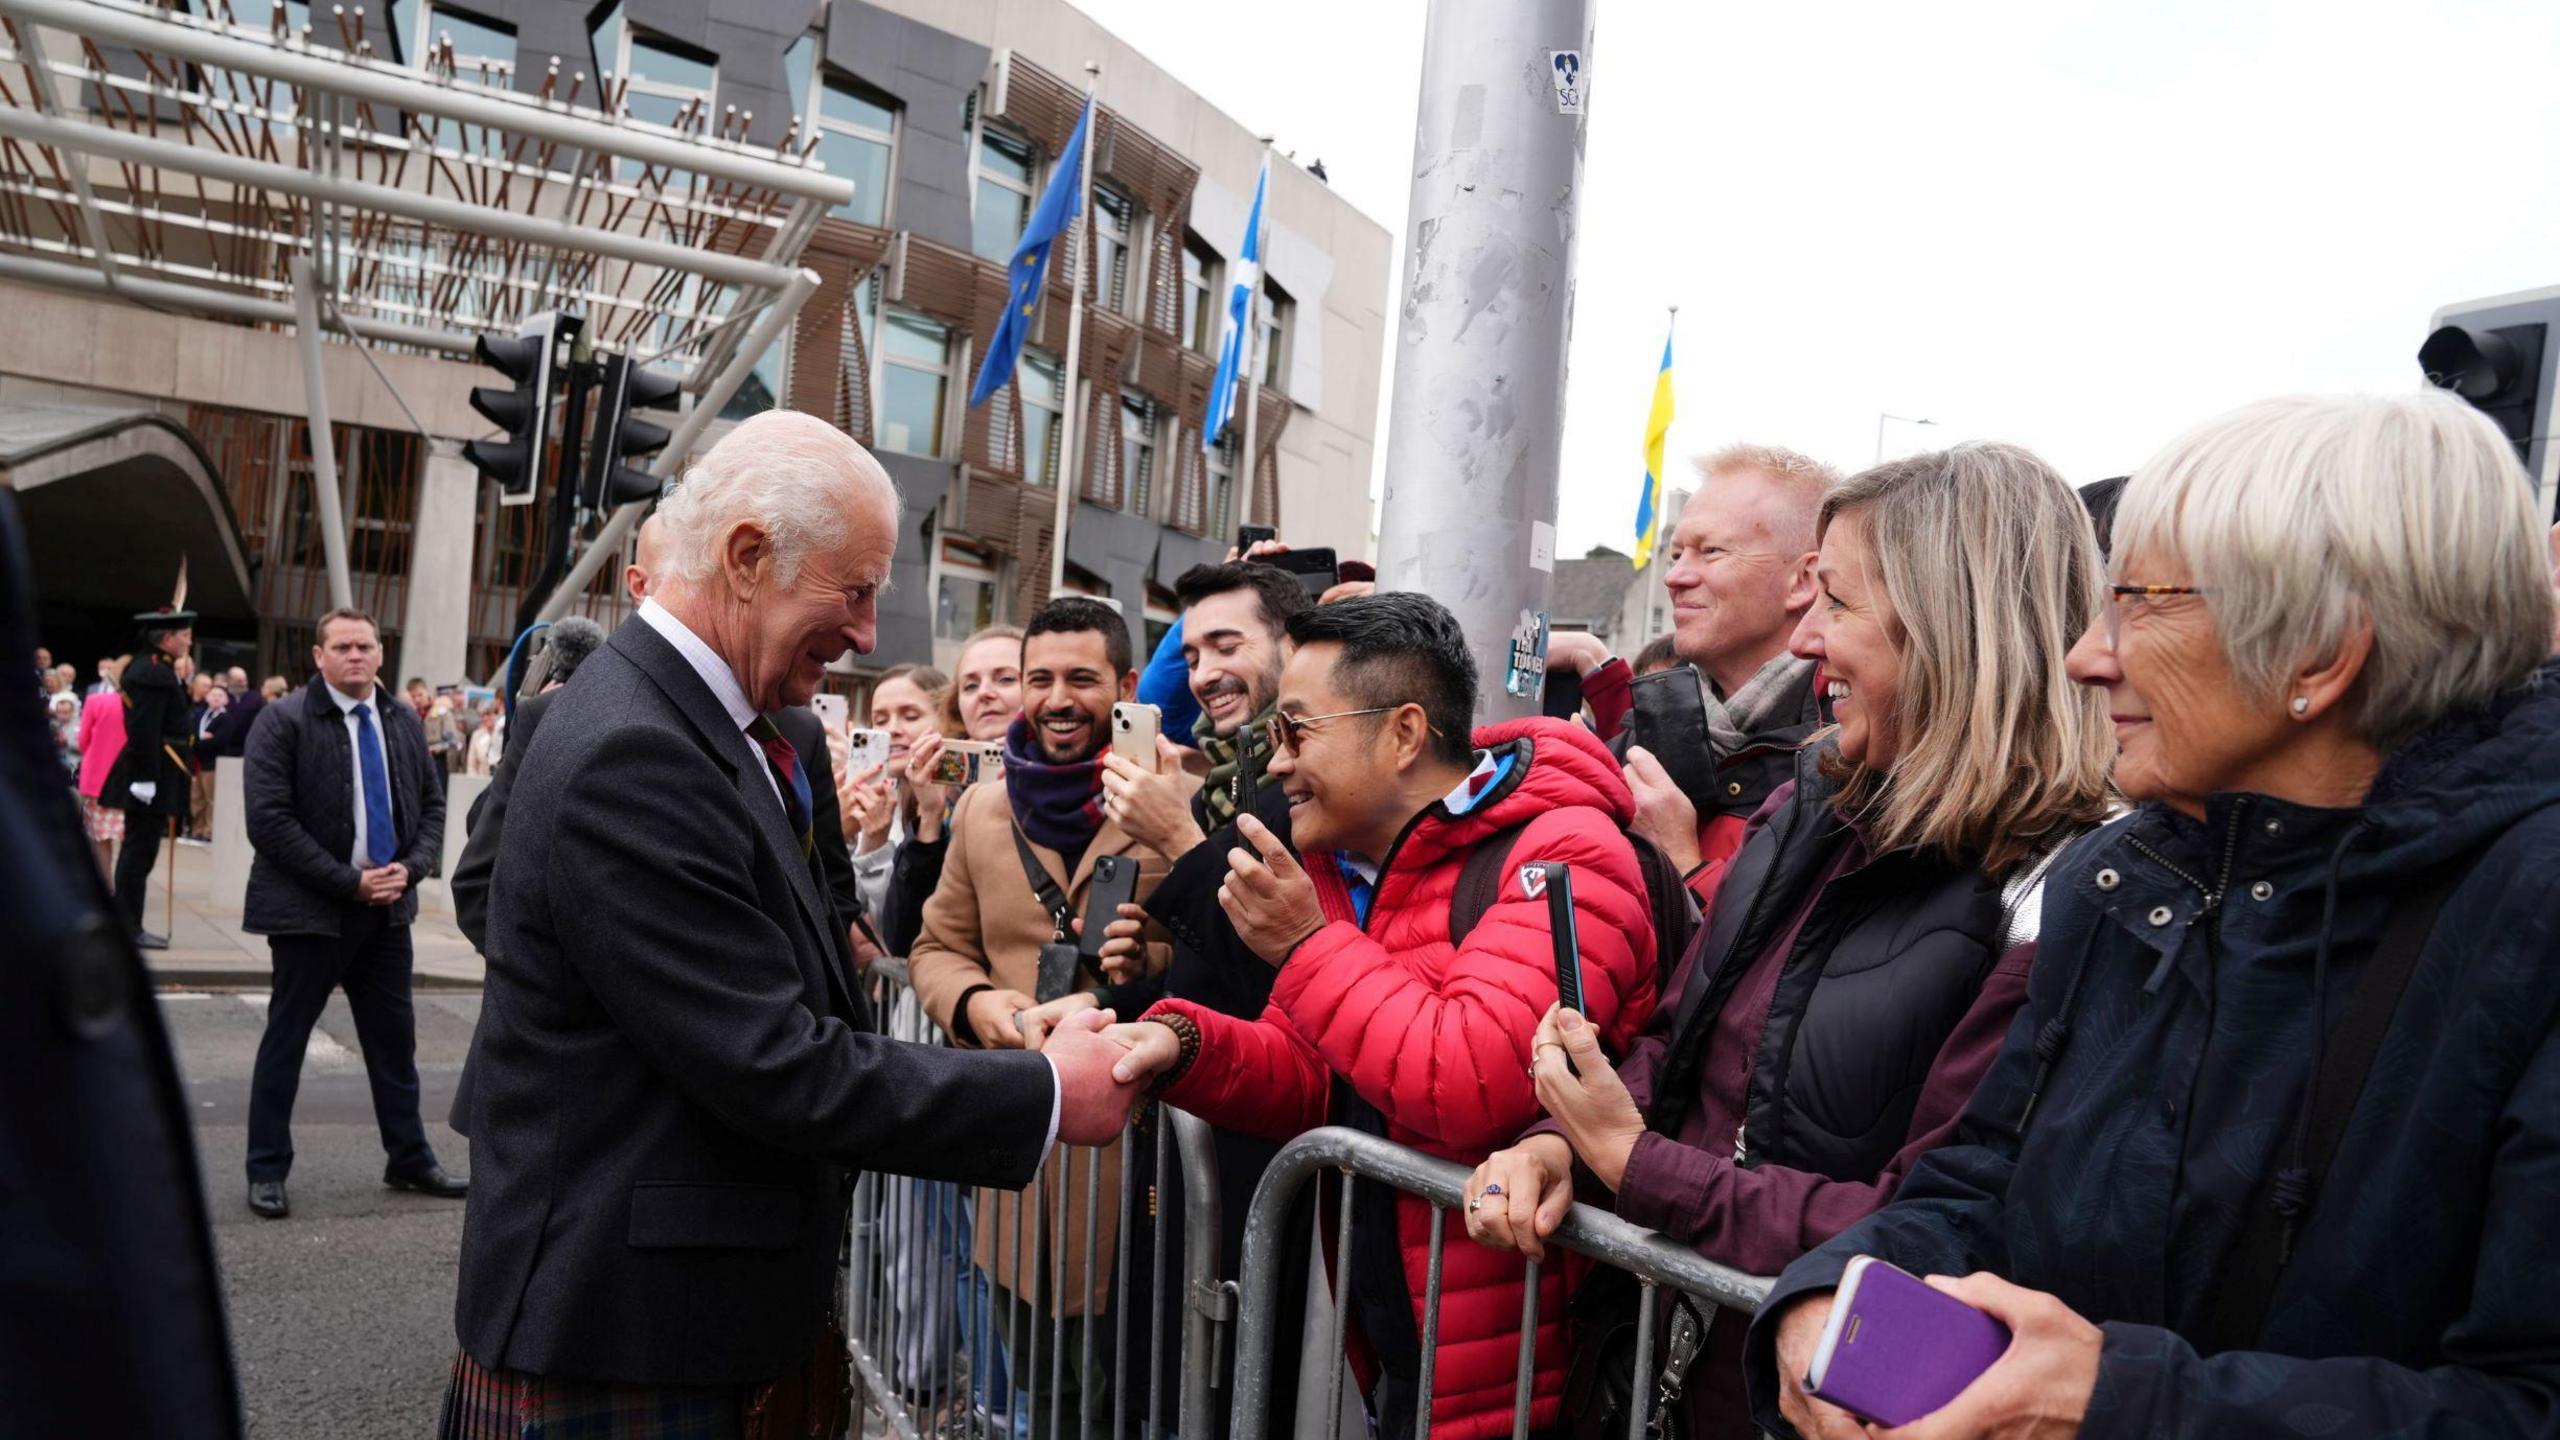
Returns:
<point x="255" y="173"/>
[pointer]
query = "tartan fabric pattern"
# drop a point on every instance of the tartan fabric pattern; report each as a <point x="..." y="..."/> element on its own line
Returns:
<point x="485" y="1404"/>
<point x="797" y="798"/>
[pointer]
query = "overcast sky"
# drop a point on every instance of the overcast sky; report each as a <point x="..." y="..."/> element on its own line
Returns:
<point x="2078" y="227"/>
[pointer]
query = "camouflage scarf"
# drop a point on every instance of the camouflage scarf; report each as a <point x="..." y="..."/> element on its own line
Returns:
<point x="1235" y="766"/>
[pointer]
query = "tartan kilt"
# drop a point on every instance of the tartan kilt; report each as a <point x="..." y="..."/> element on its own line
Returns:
<point x="485" y="1404"/>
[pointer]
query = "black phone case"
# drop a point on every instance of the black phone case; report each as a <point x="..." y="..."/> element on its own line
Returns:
<point x="1670" y="722"/>
<point x="1563" y="934"/>
<point x="1115" y="883"/>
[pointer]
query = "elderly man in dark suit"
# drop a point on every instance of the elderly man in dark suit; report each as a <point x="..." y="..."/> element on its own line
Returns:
<point x="346" y="812"/>
<point x="675" y="1076"/>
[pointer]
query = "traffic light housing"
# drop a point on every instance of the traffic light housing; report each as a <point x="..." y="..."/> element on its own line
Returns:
<point x="530" y="360"/>
<point x="2503" y="355"/>
<point x="622" y="436"/>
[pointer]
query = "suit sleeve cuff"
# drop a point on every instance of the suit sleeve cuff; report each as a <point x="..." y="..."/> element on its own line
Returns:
<point x="1057" y="1100"/>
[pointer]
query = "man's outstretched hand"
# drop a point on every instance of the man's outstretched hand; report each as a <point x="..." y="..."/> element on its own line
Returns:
<point x="1093" y="1107"/>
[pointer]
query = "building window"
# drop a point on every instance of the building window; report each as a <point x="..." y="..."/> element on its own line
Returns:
<point x="662" y="83"/>
<point x="1222" y="486"/>
<point x="1137" y="453"/>
<point x="1199" y="296"/>
<point x="1115" y="221"/>
<point x="857" y="132"/>
<point x="762" y="390"/>
<point x="1274" y="309"/>
<point x="1043" y="411"/>
<point x="964" y="595"/>
<point x="1003" y="202"/>
<point x="483" y="52"/>
<point x="915" y="382"/>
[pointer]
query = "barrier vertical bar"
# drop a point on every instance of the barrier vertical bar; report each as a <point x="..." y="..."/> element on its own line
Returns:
<point x="1341" y="1305"/>
<point x="1120" y="1287"/>
<point x="1204" y="1296"/>
<point x="1046" y="1225"/>
<point x="1526" y="1379"/>
<point x="1431" y="1319"/>
<point x="1092" y="1265"/>
<point x="1642" y="1398"/>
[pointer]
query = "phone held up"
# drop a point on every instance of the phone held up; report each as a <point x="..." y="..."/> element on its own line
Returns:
<point x="966" y="762"/>
<point x="1115" y="883"/>
<point x="865" y="748"/>
<point x="1134" y="727"/>
<point x="1895" y="1348"/>
<point x="1554" y="879"/>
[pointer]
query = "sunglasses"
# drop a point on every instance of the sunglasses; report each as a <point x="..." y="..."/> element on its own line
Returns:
<point x="1289" y="731"/>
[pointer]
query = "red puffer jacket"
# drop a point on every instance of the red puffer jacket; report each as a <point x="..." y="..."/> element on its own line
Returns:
<point x="1437" y="1037"/>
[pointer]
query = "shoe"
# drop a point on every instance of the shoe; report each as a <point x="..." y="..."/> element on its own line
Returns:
<point x="429" y="1179"/>
<point x="266" y="1197"/>
<point x="145" y="940"/>
<point x="193" y="840"/>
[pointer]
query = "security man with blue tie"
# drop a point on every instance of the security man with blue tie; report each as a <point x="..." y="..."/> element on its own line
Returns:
<point x="346" y="812"/>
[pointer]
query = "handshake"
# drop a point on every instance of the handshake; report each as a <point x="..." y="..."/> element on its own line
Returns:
<point x="1103" y="1068"/>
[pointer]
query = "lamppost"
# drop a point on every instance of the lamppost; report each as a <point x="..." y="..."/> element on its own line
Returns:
<point x="1882" y="417"/>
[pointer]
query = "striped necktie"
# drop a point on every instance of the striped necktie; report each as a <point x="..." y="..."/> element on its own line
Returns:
<point x="797" y="801"/>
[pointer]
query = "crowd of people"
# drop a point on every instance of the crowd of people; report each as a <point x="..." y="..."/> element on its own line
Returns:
<point x="2123" y="907"/>
<point x="1997" y="826"/>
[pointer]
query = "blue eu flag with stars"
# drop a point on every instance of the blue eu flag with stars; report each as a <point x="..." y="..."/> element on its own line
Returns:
<point x="1029" y="268"/>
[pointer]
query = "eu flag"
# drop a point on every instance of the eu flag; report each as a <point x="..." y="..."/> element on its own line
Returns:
<point x="1059" y="205"/>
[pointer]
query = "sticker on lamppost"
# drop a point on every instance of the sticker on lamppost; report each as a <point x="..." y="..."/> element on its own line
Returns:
<point x="1526" y="674"/>
<point x="1565" y="68"/>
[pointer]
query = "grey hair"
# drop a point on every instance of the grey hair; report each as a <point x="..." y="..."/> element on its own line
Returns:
<point x="1990" y="569"/>
<point x="2304" y="515"/>
<point x="780" y="469"/>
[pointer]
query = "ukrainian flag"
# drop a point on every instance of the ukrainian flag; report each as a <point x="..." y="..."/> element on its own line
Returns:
<point x="1657" y="427"/>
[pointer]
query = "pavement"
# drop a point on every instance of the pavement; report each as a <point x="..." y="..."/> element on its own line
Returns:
<point x="341" y="1314"/>
<point x="208" y="949"/>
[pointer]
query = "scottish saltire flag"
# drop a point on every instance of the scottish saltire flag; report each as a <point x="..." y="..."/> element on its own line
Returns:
<point x="1657" y="426"/>
<point x="1243" y="279"/>
<point x="1060" y="204"/>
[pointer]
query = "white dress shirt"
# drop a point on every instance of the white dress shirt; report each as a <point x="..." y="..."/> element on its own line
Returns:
<point x="742" y="712"/>
<point x="360" y="856"/>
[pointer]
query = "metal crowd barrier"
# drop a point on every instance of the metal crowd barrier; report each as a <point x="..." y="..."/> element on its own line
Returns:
<point x="936" y="1345"/>
<point x="1654" y="1262"/>
<point x="932" y="1358"/>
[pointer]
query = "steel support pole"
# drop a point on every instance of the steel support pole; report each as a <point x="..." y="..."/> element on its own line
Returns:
<point x="57" y="275"/>
<point x="324" y="444"/>
<point x="706" y="408"/>
<point x="1477" y="430"/>
<point x="1248" y="459"/>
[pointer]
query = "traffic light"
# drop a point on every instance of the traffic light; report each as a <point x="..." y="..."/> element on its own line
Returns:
<point x="529" y="359"/>
<point x="621" y="435"/>
<point x="2498" y="354"/>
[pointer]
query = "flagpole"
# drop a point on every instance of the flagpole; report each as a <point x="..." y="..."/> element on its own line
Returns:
<point x="1248" y="376"/>
<point x="1067" y="478"/>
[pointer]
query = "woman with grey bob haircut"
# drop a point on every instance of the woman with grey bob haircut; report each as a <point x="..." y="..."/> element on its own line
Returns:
<point x="2274" y="1147"/>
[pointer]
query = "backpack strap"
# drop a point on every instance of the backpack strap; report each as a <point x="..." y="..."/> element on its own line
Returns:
<point x="1480" y="880"/>
<point x="2265" y="1245"/>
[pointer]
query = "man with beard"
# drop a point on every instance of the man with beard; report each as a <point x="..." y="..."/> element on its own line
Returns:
<point x="1021" y="858"/>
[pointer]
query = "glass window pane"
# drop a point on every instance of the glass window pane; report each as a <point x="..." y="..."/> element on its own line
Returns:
<point x="963" y="607"/>
<point x="1005" y="158"/>
<point x="848" y="106"/>
<point x="473" y="41"/>
<point x="910" y="411"/>
<point x="655" y="109"/>
<point x="866" y="164"/>
<point x="659" y="65"/>
<point x="761" y="390"/>
<point x="997" y="226"/>
<point x="1039" y="378"/>
<point x="1039" y="445"/>
<point x="916" y="338"/>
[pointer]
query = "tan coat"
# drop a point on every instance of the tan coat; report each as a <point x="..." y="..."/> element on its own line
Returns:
<point x="983" y="926"/>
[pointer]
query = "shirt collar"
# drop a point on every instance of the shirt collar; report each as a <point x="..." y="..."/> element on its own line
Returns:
<point x="705" y="662"/>
<point x="346" y="703"/>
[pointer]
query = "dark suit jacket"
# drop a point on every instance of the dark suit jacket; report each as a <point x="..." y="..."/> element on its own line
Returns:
<point x="471" y="875"/>
<point x="227" y="738"/>
<point x="158" y="739"/>
<point x="113" y="1322"/>
<point x="674" y="1077"/>
<point x="298" y="789"/>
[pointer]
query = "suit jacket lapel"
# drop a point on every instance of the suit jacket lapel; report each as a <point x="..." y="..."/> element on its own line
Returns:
<point x="650" y="651"/>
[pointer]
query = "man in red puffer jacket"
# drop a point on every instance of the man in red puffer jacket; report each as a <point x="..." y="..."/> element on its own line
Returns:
<point x="1377" y="1020"/>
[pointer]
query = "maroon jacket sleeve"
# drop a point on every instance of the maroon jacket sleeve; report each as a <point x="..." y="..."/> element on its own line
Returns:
<point x="1760" y="1220"/>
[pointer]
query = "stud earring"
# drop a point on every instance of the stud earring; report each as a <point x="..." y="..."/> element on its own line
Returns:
<point x="2301" y="704"/>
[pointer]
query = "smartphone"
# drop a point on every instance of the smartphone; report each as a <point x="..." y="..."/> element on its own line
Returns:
<point x="966" y="762"/>
<point x="864" y="748"/>
<point x="1315" y="568"/>
<point x="833" y="711"/>
<point x="1134" y="728"/>
<point x="1895" y="1349"/>
<point x="1248" y="536"/>
<point x="1114" y="884"/>
<point x="1670" y="721"/>
<point x="1555" y="878"/>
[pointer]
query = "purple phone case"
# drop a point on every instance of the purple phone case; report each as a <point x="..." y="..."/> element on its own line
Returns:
<point x="1906" y="1349"/>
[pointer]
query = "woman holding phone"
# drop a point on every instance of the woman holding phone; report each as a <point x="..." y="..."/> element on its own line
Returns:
<point x="980" y="700"/>
<point x="1869" y="944"/>
<point x="2274" y="1148"/>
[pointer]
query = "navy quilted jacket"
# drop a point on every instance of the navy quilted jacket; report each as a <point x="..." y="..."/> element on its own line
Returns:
<point x="2423" y="1297"/>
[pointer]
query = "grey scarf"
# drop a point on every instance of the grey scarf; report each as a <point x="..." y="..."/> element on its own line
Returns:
<point x="1763" y="702"/>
